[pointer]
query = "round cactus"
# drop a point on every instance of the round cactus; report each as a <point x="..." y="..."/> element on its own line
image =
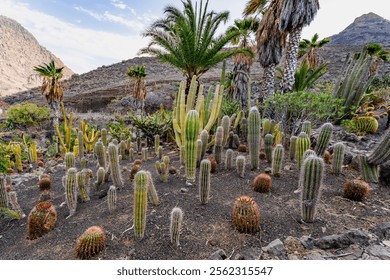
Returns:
<point x="91" y="242"/>
<point x="356" y="189"/>
<point x="41" y="219"/>
<point x="246" y="215"/>
<point x="175" y="225"/>
<point x="262" y="183"/>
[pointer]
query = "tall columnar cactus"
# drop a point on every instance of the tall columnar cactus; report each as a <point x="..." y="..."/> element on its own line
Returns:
<point x="83" y="163"/>
<point x="104" y="140"/>
<point x="199" y="152"/>
<point x="3" y="193"/>
<point x="153" y="195"/>
<point x="306" y="127"/>
<point x="204" y="136"/>
<point x="240" y="165"/>
<point x="160" y="152"/>
<point x="140" y="203"/>
<point x="381" y="153"/>
<point x="156" y="143"/>
<point x="80" y="138"/>
<point x="268" y="140"/>
<point x="41" y="220"/>
<point x="175" y="225"/>
<point x="13" y="201"/>
<point x="131" y="154"/>
<point x="323" y="139"/>
<point x="84" y="179"/>
<point x="111" y="198"/>
<point x="218" y="147"/>
<point x="69" y="160"/>
<point x="191" y="136"/>
<point x="246" y="215"/>
<point x="277" y="159"/>
<point x="122" y="149"/>
<point x="369" y="172"/>
<point x="303" y="144"/>
<point x="254" y="137"/>
<point x="71" y="186"/>
<point x="311" y="179"/>
<point x="244" y="129"/>
<point x="100" y="174"/>
<point x="204" y="181"/>
<point x="229" y="159"/>
<point x="267" y="127"/>
<point x="293" y="147"/>
<point x="338" y="157"/>
<point x="100" y="153"/>
<point x="225" y="123"/>
<point x="144" y="152"/>
<point x="114" y="166"/>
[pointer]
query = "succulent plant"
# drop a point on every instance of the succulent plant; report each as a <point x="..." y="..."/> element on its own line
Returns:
<point x="100" y="153"/>
<point x="156" y="143"/>
<point x="13" y="201"/>
<point x="103" y="132"/>
<point x="262" y="183"/>
<point x="293" y="147"/>
<point x="356" y="189"/>
<point x="240" y="166"/>
<point x="83" y="179"/>
<point x="7" y="214"/>
<point x="365" y="124"/>
<point x="111" y="198"/>
<point x="218" y="147"/>
<point x="303" y="144"/>
<point x="204" y="181"/>
<point x="323" y="139"/>
<point x="144" y="153"/>
<point x="3" y="193"/>
<point x="122" y="149"/>
<point x="225" y="123"/>
<point x="306" y="127"/>
<point x="236" y="141"/>
<point x="254" y="137"/>
<point x="191" y="137"/>
<point x="152" y="190"/>
<point x="91" y="242"/>
<point x="160" y="152"/>
<point x="327" y="157"/>
<point x="140" y="203"/>
<point x="204" y="137"/>
<point x="268" y="140"/>
<point x="69" y="160"/>
<point x="369" y="172"/>
<point x="229" y="159"/>
<point x="277" y="159"/>
<point x="100" y="174"/>
<point x="338" y="157"/>
<point x="213" y="164"/>
<point x="114" y="166"/>
<point x="268" y="127"/>
<point x="381" y="153"/>
<point x="134" y="169"/>
<point x="71" y="186"/>
<point x="41" y="220"/>
<point x="246" y="215"/>
<point x="199" y="152"/>
<point x="131" y="154"/>
<point x="83" y="163"/>
<point x="244" y="129"/>
<point x="182" y="155"/>
<point x="175" y="225"/>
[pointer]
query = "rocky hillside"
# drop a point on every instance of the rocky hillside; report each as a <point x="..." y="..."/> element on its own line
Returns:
<point x="368" y="28"/>
<point x="19" y="53"/>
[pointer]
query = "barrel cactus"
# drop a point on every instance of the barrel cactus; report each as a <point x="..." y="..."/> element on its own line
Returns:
<point x="262" y="183"/>
<point x="356" y="189"/>
<point x="91" y="242"/>
<point x="246" y="215"/>
<point x="41" y="219"/>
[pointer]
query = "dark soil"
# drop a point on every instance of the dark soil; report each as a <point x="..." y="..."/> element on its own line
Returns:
<point x="206" y="228"/>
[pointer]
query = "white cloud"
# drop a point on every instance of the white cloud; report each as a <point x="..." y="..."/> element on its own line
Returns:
<point x="118" y="4"/>
<point x="93" y="14"/>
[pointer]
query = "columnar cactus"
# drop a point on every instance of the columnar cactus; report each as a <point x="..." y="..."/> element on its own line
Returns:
<point x="13" y="201"/>
<point x="140" y="203"/>
<point x="204" y="136"/>
<point x="71" y="185"/>
<point x="199" y="152"/>
<point x="69" y="160"/>
<point x="240" y="165"/>
<point x="103" y="132"/>
<point x="83" y="163"/>
<point x="229" y="159"/>
<point x="156" y="143"/>
<point x="115" y="142"/>
<point x="91" y="242"/>
<point x="254" y="137"/>
<point x="138" y="144"/>
<point x="381" y="153"/>
<point x="293" y="147"/>
<point x="323" y="139"/>
<point x="152" y="190"/>
<point x="338" y="157"/>
<point x="277" y="159"/>
<point x="236" y="141"/>
<point x="268" y="140"/>
<point x="111" y="198"/>
<point x="162" y="170"/>
<point x="131" y="154"/>
<point x="41" y="220"/>
<point x="225" y="123"/>
<point x="114" y="166"/>
<point x="369" y="172"/>
<point x="267" y="127"/>
<point x="218" y="147"/>
<point x="306" y="127"/>
<point x="246" y="215"/>
<point x="83" y="179"/>
<point x="100" y="174"/>
<point x="191" y="137"/>
<point x="144" y="152"/>
<point x="311" y="180"/>
<point x="244" y="129"/>
<point x="100" y="153"/>
<point x="160" y="152"/>
<point x="204" y="181"/>
<point x="3" y="193"/>
<point x="122" y="149"/>
<point x="175" y="225"/>
<point x="303" y="144"/>
<point x="80" y="137"/>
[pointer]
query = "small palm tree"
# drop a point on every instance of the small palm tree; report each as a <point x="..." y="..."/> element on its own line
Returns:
<point x="378" y="54"/>
<point x="309" y="49"/>
<point x="51" y="87"/>
<point x="137" y="74"/>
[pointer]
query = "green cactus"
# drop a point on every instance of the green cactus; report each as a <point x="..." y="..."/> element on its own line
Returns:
<point x="303" y="144"/>
<point x="240" y="165"/>
<point x="293" y="147"/>
<point x="114" y="166"/>
<point x="229" y="159"/>
<point x="175" y="225"/>
<point x="268" y="140"/>
<point x="191" y="136"/>
<point x="162" y="170"/>
<point x="83" y="163"/>
<point x="199" y="152"/>
<point x="140" y="203"/>
<point x="91" y="242"/>
<point x="100" y="174"/>
<point x="139" y="144"/>
<point x="144" y="153"/>
<point x="236" y="141"/>
<point x="244" y="129"/>
<point x="368" y="171"/>
<point x="104" y="140"/>
<point x="365" y="124"/>
<point x="41" y="220"/>
<point x="306" y="127"/>
<point x="71" y="185"/>
<point x="156" y="143"/>
<point x="268" y="127"/>
<point x="323" y="139"/>
<point x="69" y="160"/>
<point x="204" y="137"/>
<point x="80" y="138"/>
<point x="311" y="179"/>
<point x="100" y="153"/>
<point x="204" y="181"/>
<point x="225" y="123"/>
<point x="254" y="137"/>
<point x="277" y="159"/>
<point x="131" y="154"/>
<point x="122" y="149"/>
<point x="381" y="153"/>
<point x="111" y="198"/>
<point x="218" y="147"/>
<point x="338" y="157"/>
<point x="152" y="190"/>
<point x="83" y="179"/>
<point x="3" y="193"/>
<point x="160" y="152"/>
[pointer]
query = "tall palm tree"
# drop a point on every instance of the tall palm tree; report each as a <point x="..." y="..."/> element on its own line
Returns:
<point x="309" y="49"/>
<point x="137" y="74"/>
<point x="187" y="39"/>
<point x="242" y="62"/>
<point x="295" y="14"/>
<point x="51" y="87"/>
<point x="255" y="7"/>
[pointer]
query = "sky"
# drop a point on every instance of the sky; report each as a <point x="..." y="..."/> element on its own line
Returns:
<point x="86" y="34"/>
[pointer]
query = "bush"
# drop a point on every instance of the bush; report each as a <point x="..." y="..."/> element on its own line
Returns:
<point x="26" y="114"/>
<point x="229" y="106"/>
<point x="117" y="127"/>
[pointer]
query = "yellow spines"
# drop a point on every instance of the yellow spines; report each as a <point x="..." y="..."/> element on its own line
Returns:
<point x="76" y="147"/>
<point x="192" y="94"/>
<point x="217" y="102"/>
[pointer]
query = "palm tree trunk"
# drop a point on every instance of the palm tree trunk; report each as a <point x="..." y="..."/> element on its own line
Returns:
<point x="268" y="83"/>
<point x="241" y="72"/>
<point x="291" y="60"/>
<point x="55" y="107"/>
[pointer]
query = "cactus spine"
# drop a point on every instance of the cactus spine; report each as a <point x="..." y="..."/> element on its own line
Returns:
<point x="204" y="181"/>
<point x="229" y="159"/>
<point x="306" y="127"/>
<point x="268" y="140"/>
<point x="3" y="193"/>
<point x="303" y="144"/>
<point x="240" y="166"/>
<point x="71" y="185"/>
<point x="338" y="157"/>
<point x="114" y="166"/>
<point x="175" y="225"/>
<point x="111" y="198"/>
<point x="218" y="144"/>
<point x="204" y="136"/>
<point x="381" y="153"/>
<point x="323" y="139"/>
<point x="311" y="179"/>
<point x="368" y="171"/>
<point x="293" y="147"/>
<point x="277" y="159"/>
<point x="191" y="135"/>
<point x="225" y="123"/>
<point x="254" y="137"/>
<point x="140" y="203"/>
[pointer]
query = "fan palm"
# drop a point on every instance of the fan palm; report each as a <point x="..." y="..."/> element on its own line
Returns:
<point x="187" y="39"/>
<point x="309" y="49"/>
<point x="255" y="7"/>
<point x="137" y="74"/>
<point x="242" y="62"/>
<point x="378" y="54"/>
<point x="51" y="87"/>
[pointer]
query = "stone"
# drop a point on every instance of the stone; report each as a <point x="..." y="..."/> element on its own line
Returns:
<point x="379" y="251"/>
<point x="268" y="170"/>
<point x="350" y="137"/>
<point x="384" y="174"/>
<point x="307" y="242"/>
<point x="293" y="245"/>
<point x="382" y="230"/>
<point x="253" y="253"/>
<point x="347" y="158"/>
<point x="336" y="241"/>
<point x="184" y="190"/>
<point x="218" y="255"/>
<point x="276" y="247"/>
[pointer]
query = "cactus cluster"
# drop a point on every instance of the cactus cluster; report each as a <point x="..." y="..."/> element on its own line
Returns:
<point x="41" y="220"/>
<point x="262" y="183"/>
<point x="163" y="168"/>
<point x="175" y="225"/>
<point x="246" y="215"/>
<point x="356" y="189"/>
<point x="254" y="137"/>
<point x="91" y="242"/>
<point x="204" y="181"/>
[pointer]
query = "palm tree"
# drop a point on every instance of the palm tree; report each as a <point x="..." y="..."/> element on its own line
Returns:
<point x="378" y="54"/>
<point x="255" y="7"/>
<point x="309" y="49"/>
<point x="242" y="62"/>
<point x="187" y="40"/>
<point x="137" y="74"/>
<point x="295" y="14"/>
<point x="51" y="87"/>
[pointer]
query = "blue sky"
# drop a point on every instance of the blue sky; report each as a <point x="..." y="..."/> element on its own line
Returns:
<point x="86" y="34"/>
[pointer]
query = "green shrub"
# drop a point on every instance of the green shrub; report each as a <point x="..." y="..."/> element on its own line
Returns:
<point x="229" y="106"/>
<point x="117" y="127"/>
<point x="26" y="114"/>
<point x="380" y="83"/>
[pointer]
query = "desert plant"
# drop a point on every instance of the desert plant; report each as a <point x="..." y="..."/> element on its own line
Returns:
<point x="71" y="185"/>
<point x="323" y="139"/>
<point x="293" y="147"/>
<point x="262" y="183"/>
<point x="175" y="225"/>
<point x="246" y="215"/>
<point x="122" y="149"/>
<point x="144" y="153"/>
<point x="303" y="144"/>
<point x="191" y="135"/>
<point x="13" y="201"/>
<point x="41" y="220"/>
<point x="204" y="136"/>
<point x="338" y="157"/>
<point x="91" y="242"/>
<point x="140" y="203"/>
<point x="69" y="160"/>
<point x="240" y="165"/>
<point x="138" y="74"/>
<point x="268" y="141"/>
<point x="364" y="124"/>
<point x="305" y="76"/>
<point x="162" y="169"/>
<point x="204" y="181"/>
<point x="244" y="129"/>
<point x="26" y="114"/>
<point x="381" y="153"/>
<point x="7" y="214"/>
<point x="306" y="127"/>
<point x="111" y="198"/>
<point x="100" y="174"/>
<point x="114" y="166"/>
<point x="229" y="159"/>
<point x="152" y="190"/>
<point x="3" y="193"/>
<point x="156" y="143"/>
<point x="277" y="159"/>
<point x="254" y="137"/>
<point x="356" y="189"/>
<point x="218" y="147"/>
<point x="225" y="123"/>
<point x="83" y="180"/>
<point x="369" y="172"/>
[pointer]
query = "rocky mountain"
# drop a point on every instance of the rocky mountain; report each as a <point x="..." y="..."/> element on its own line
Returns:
<point x="19" y="53"/>
<point x="368" y="28"/>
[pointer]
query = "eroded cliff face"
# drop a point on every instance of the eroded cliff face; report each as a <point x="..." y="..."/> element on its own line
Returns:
<point x="19" y="53"/>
